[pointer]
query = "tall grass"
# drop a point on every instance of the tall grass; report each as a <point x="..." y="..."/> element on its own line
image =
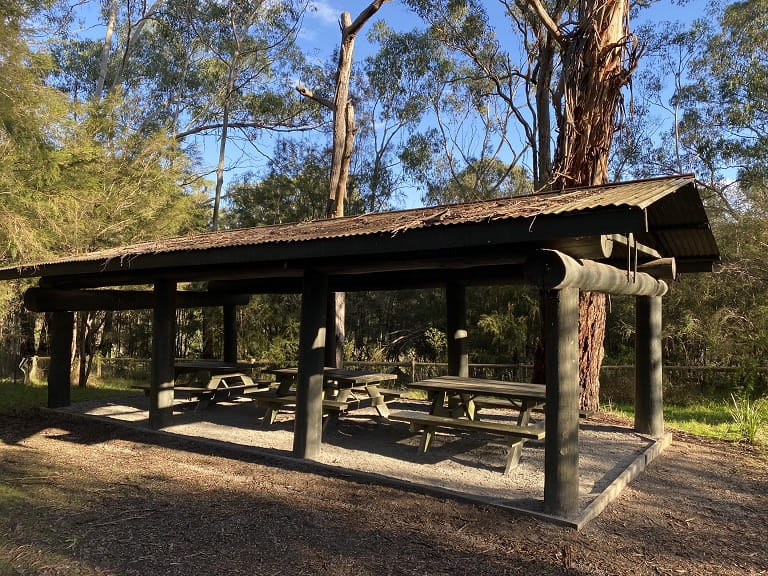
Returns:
<point x="749" y="417"/>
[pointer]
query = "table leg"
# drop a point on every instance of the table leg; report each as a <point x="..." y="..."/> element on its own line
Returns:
<point x="377" y="400"/>
<point x="513" y="454"/>
<point x="468" y="406"/>
<point x="427" y="434"/>
<point x="284" y="384"/>
<point x="516" y="446"/>
<point x="439" y="400"/>
<point x="269" y="416"/>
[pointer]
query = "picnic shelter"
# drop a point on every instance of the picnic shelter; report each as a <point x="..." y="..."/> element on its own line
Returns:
<point x="629" y="238"/>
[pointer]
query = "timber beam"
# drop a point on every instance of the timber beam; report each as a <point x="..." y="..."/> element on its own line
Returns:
<point x="588" y="247"/>
<point x="662" y="269"/>
<point x="56" y="300"/>
<point x="553" y="270"/>
<point x="627" y="245"/>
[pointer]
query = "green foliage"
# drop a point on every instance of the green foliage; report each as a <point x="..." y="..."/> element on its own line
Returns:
<point x="294" y="189"/>
<point x="105" y="195"/>
<point x="506" y="321"/>
<point x="268" y="329"/>
<point x="436" y="343"/>
<point x="703" y="109"/>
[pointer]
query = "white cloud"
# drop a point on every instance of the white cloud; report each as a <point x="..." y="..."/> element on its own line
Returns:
<point x="326" y="13"/>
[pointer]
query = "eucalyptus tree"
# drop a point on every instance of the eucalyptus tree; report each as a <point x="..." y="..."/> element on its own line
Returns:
<point x="240" y="50"/>
<point x="507" y="78"/>
<point x="726" y="103"/>
<point x="343" y="137"/>
<point x="565" y="71"/>
<point x="194" y="70"/>
<point x="393" y="90"/>
<point x="292" y="188"/>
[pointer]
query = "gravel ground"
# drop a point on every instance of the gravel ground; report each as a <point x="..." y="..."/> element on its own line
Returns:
<point x="85" y="497"/>
<point x="460" y="463"/>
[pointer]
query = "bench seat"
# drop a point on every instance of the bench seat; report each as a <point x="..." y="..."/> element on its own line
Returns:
<point x="428" y="423"/>
<point x="391" y="394"/>
<point x="274" y="403"/>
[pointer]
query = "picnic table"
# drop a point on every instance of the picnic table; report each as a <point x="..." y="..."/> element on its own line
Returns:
<point x="206" y="382"/>
<point x="457" y="402"/>
<point x="343" y="391"/>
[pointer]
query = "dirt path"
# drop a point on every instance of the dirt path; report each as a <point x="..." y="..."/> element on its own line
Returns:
<point x="88" y="498"/>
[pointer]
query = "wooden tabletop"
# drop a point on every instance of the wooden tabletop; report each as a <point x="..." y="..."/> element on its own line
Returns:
<point x="482" y="386"/>
<point x="205" y="364"/>
<point x="347" y="377"/>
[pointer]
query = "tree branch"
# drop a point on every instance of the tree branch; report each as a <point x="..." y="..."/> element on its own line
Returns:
<point x="363" y="17"/>
<point x="236" y="125"/>
<point x="547" y="21"/>
<point x="307" y="93"/>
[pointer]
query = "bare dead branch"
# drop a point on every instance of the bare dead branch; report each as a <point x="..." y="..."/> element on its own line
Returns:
<point x="307" y="93"/>
<point x="363" y="17"/>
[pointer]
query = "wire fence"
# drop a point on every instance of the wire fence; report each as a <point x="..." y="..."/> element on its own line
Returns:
<point x="682" y="384"/>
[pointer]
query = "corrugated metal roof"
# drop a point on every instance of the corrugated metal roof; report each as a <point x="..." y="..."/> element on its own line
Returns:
<point x="644" y="194"/>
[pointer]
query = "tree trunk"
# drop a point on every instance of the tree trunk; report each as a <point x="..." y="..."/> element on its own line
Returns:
<point x="134" y="34"/>
<point x="599" y="57"/>
<point x="592" y="314"/>
<point x="597" y="64"/>
<point x="106" y="50"/>
<point x="343" y="143"/>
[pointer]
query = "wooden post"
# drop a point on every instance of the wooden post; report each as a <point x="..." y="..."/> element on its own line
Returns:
<point x="60" y="369"/>
<point x="335" y="329"/>
<point x="308" y="428"/>
<point x="456" y="313"/>
<point x="230" y="333"/>
<point x="561" y="446"/>
<point x="163" y="340"/>
<point x="649" y="415"/>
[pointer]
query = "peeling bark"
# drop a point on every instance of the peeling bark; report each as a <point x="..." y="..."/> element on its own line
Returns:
<point x="598" y="57"/>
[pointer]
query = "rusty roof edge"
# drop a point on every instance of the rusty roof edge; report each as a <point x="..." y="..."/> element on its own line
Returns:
<point x="400" y="221"/>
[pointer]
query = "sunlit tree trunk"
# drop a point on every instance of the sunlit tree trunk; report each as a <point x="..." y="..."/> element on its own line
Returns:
<point x="598" y="59"/>
<point x="106" y="49"/>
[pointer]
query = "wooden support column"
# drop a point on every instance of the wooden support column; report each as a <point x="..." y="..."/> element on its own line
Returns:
<point x="60" y="370"/>
<point x="230" y="333"/>
<point x="456" y="313"/>
<point x="649" y="415"/>
<point x="561" y="446"/>
<point x="335" y="329"/>
<point x="307" y="434"/>
<point x="163" y="347"/>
